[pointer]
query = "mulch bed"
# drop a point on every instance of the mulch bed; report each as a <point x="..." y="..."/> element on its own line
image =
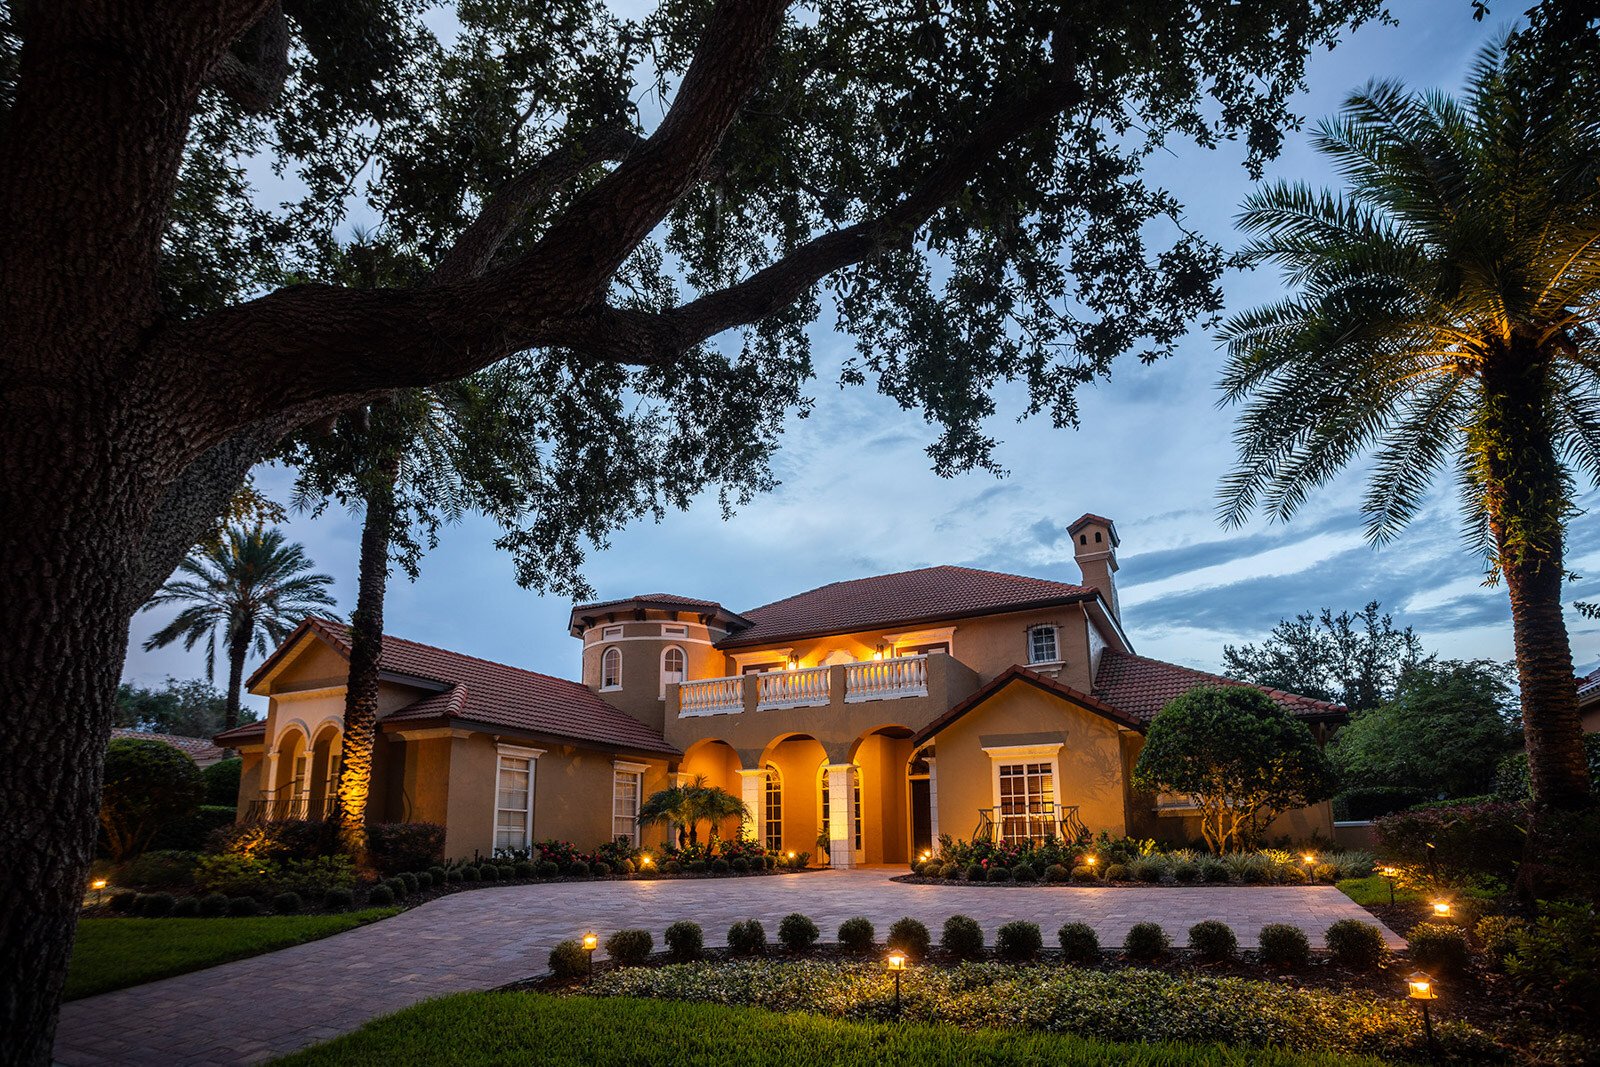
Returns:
<point x="922" y="879"/>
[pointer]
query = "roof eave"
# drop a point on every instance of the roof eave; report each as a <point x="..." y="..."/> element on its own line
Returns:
<point x="456" y="722"/>
<point x="922" y="620"/>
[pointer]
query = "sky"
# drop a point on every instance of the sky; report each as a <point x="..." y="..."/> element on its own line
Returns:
<point x="857" y="496"/>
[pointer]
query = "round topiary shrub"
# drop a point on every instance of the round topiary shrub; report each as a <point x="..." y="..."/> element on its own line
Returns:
<point x="337" y="899"/>
<point x="1152" y="871"/>
<point x="1024" y="872"/>
<point x="1355" y="944"/>
<point x="454" y="877"/>
<point x="747" y="938"/>
<point x="287" y="903"/>
<point x="698" y="867"/>
<point x="932" y="869"/>
<point x="601" y="869"/>
<point x="976" y="872"/>
<point x="1018" y="940"/>
<point x="1498" y="934"/>
<point x="797" y="932"/>
<point x="949" y="872"/>
<point x="999" y="874"/>
<point x="962" y="937"/>
<point x="628" y="948"/>
<point x="156" y="905"/>
<point x="240" y="907"/>
<point x="215" y="905"/>
<point x="396" y="886"/>
<point x="1084" y="873"/>
<point x="685" y="940"/>
<point x="468" y="874"/>
<point x="1186" y="873"/>
<point x="525" y="868"/>
<point x="122" y="901"/>
<point x="1118" y="872"/>
<point x="1213" y="941"/>
<point x="1325" y="872"/>
<point x="424" y="880"/>
<point x="857" y="935"/>
<point x="1293" y="876"/>
<point x="1079" y="943"/>
<point x="577" y="869"/>
<point x="1146" y="941"/>
<point x="568" y="960"/>
<point x="410" y="880"/>
<point x="910" y="936"/>
<point x="438" y="875"/>
<point x="738" y="865"/>
<point x="1283" y="945"/>
<point x="508" y="871"/>
<point x="186" y="908"/>
<point x="1255" y="874"/>
<point x="1056" y="873"/>
<point x="1439" y="949"/>
<point x="379" y="895"/>
<point x="547" y="869"/>
<point x="719" y="866"/>
<point x="1213" y="871"/>
<point x="672" y="867"/>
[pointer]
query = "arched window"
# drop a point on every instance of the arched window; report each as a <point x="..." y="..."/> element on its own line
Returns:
<point x="772" y="819"/>
<point x="673" y="665"/>
<point x="611" y="668"/>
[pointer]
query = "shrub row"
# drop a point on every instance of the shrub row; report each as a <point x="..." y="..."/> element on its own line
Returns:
<point x="1184" y="867"/>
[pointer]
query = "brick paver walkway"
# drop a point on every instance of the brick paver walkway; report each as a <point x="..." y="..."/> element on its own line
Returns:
<point x="265" y="1006"/>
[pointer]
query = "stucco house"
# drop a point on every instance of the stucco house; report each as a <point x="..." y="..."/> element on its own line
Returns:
<point x="876" y="714"/>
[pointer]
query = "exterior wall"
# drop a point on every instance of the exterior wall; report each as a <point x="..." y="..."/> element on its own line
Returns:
<point x="885" y="820"/>
<point x="1090" y="762"/>
<point x="641" y="646"/>
<point x="252" y="764"/>
<point x="1590" y="717"/>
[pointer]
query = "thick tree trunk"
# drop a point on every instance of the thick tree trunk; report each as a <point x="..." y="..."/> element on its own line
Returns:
<point x="366" y="656"/>
<point x="1527" y="504"/>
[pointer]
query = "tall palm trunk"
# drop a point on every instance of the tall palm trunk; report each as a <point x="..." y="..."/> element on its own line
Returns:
<point x="1526" y="502"/>
<point x="366" y="656"/>
<point x="238" y="649"/>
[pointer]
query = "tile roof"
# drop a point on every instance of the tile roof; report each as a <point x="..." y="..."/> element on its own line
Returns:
<point x="1018" y="673"/>
<point x="495" y="694"/>
<point x="1142" y="687"/>
<point x="1589" y="687"/>
<point x="250" y="731"/>
<point x="930" y="594"/>
<point x="654" y="598"/>
<point x="196" y="748"/>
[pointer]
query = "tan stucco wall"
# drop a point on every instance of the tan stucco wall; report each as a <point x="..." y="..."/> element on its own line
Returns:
<point x="1090" y="760"/>
<point x="1590" y="716"/>
<point x="641" y="646"/>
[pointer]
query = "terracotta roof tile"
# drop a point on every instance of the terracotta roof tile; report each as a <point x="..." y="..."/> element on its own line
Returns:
<point x="496" y="694"/>
<point x="196" y="748"/>
<point x="250" y="731"/>
<point x="1589" y="686"/>
<point x="931" y="594"/>
<point x="655" y="598"/>
<point x="1143" y="686"/>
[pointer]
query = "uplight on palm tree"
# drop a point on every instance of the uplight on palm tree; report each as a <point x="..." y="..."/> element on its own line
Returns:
<point x="1442" y="318"/>
<point x="246" y="592"/>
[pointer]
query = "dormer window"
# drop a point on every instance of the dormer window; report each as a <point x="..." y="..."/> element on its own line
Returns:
<point x="1043" y="646"/>
<point x="611" y="669"/>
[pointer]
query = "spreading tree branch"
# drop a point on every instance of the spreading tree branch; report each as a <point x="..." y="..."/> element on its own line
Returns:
<point x="253" y="70"/>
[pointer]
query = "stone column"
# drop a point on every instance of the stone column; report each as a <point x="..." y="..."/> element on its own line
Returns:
<point x="753" y="786"/>
<point x="841" y="816"/>
<point x="933" y="805"/>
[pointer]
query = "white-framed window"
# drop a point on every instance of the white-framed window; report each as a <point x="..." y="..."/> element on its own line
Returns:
<point x="611" y="668"/>
<point x="1025" y="791"/>
<point x="674" y="665"/>
<point x="669" y="630"/>
<point x="772" y="813"/>
<point x="627" y="783"/>
<point x="1042" y="645"/>
<point x="610" y="633"/>
<point x="513" y="796"/>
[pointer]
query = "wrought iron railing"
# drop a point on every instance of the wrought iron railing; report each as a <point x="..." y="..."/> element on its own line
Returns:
<point x="274" y="808"/>
<point x="1037" y="823"/>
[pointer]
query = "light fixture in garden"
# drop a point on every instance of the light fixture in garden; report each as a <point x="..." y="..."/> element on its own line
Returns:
<point x="896" y="962"/>
<point x="926" y="856"/>
<point x="1091" y="859"/>
<point x="591" y="941"/>
<point x="645" y="860"/>
<point x="1441" y="908"/>
<point x="1391" y="875"/>
<point x="1421" y="990"/>
<point x="99" y="887"/>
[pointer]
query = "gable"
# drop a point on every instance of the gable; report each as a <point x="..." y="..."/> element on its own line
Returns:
<point x="1021" y="701"/>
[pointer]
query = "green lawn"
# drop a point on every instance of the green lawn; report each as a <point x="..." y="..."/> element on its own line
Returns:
<point x="496" y="1028"/>
<point x="1374" y="889"/>
<point x="114" y="953"/>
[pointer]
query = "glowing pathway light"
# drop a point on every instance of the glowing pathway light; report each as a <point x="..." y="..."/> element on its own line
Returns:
<point x="896" y="963"/>
<point x="1420" y="989"/>
<point x="591" y="941"/>
<point x="1391" y="875"/>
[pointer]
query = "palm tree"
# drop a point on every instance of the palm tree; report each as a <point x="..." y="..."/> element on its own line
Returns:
<point x="251" y="589"/>
<point x="691" y="804"/>
<point x="1444" y="317"/>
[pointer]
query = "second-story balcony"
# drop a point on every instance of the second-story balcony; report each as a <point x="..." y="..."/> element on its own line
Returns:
<point x="850" y="683"/>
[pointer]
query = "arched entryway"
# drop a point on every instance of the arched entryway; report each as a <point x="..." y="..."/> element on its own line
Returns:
<point x="323" y="771"/>
<point x="881" y="795"/>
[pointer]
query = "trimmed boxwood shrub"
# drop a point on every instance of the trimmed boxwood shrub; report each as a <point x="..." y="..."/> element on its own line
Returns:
<point x="999" y="874"/>
<point x="469" y="874"/>
<point x="410" y="881"/>
<point x="975" y="872"/>
<point x="508" y="871"/>
<point x="1355" y="944"/>
<point x="380" y="895"/>
<point x="396" y="886"/>
<point x="578" y="869"/>
<point x="669" y="867"/>
<point x="601" y="869"/>
<point x="155" y="905"/>
<point x="1186" y="873"/>
<point x="1118" y="872"/>
<point x="1283" y="945"/>
<point x="215" y="905"/>
<point x="685" y="940"/>
<point x="240" y="907"/>
<point x="962" y="937"/>
<point x="1079" y="943"/>
<point x="122" y="900"/>
<point x="454" y="877"/>
<point x="488" y="873"/>
<point x="747" y="938"/>
<point x="1149" y="870"/>
<point x="337" y="899"/>
<point x="949" y="872"/>
<point x="186" y="908"/>
<point x="797" y="932"/>
<point x="719" y="866"/>
<point x="1019" y="940"/>
<point x="1439" y="949"/>
<point x="286" y="903"/>
<point x="738" y="865"/>
<point x="1146" y="941"/>
<point x="857" y="935"/>
<point x="525" y="868"/>
<point x="909" y="936"/>
<point x="1056" y="873"/>
<point x="1084" y="873"/>
<point x="1024" y="872"/>
<point x="424" y="880"/>
<point x="568" y="960"/>
<point x="630" y="947"/>
<point x="547" y="869"/>
<point x="438" y="875"/>
<point x="1213" y="941"/>
<point x="698" y="867"/>
<point x="1213" y="871"/>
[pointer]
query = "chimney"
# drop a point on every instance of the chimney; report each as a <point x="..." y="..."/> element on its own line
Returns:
<point x="1094" y="546"/>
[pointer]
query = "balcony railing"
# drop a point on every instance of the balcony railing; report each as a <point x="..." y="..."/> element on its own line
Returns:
<point x="1037" y="823"/>
<point x="887" y="679"/>
<point x="272" y="809"/>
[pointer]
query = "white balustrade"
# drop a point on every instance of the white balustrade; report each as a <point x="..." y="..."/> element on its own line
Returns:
<point x="711" y="696"/>
<point x="806" y="687"/>
<point x="886" y="679"/>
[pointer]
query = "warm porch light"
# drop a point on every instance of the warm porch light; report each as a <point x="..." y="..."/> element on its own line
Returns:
<point x="1441" y="908"/>
<point x="877" y="655"/>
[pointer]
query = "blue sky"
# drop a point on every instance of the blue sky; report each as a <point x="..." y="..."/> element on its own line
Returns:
<point x="857" y="497"/>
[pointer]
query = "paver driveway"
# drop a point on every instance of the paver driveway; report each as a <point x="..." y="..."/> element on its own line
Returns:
<point x="261" y="1007"/>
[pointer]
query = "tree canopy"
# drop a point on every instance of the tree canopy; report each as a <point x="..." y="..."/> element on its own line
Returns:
<point x="1355" y="659"/>
<point x="147" y="784"/>
<point x="1242" y="758"/>
<point x="192" y="708"/>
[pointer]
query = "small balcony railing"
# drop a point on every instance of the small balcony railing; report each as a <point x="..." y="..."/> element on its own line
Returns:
<point x="879" y="679"/>
<point x="886" y="679"/>
<point x="807" y="687"/>
<point x="711" y="696"/>
<point x="273" y="809"/>
<point x="1037" y="823"/>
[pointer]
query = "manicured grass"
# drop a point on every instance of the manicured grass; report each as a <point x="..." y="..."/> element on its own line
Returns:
<point x="1374" y="889"/>
<point x="496" y="1028"/>
<point x="114" y="953"/>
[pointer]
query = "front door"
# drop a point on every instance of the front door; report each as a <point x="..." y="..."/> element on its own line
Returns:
<point x="921" y="817"/>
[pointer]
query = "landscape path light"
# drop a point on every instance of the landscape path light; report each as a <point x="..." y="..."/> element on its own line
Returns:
<point x="1421" y="989"/>
<point x="1390" y="874"/>
<point x="897" y="965"/>
<point x="99" y="887"/>
<point x="1441" y="908"/>
<point x="591" y="941"/>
